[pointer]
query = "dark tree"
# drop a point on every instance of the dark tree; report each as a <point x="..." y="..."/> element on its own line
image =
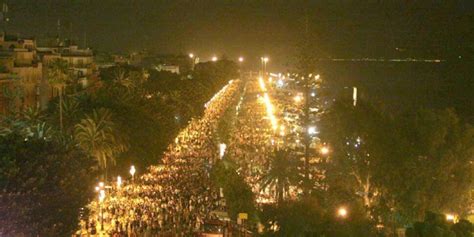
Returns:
<point x="43" y="186"/>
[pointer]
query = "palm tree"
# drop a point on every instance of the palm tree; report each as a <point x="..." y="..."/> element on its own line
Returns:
<point x="58" y="76"/>
<point x="124" y="79"/>
<point x="72" y="113"/>
<point x="13" y="96"/>
<point x="281" y="174"/>
<point x="96" y="135"/>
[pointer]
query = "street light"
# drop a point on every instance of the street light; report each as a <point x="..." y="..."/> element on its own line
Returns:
<point x="132" y="172"/>
<point x="214" y="58"/>
<point x="264" y="64"/>
<point x="119" y="181"/>
<point x="312" y="130"/>
<point x="297" y="98"/>
<point x="324" y="150"/>
<point x="101" y="195"/>
<point x="241" y="59"/>
<point x="101" y="200"/>
<point x="191" y="55"/>
<point x="342" y="212"/>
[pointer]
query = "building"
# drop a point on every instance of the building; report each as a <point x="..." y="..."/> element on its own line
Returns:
<point x="20" y="67"/>
<point x="180" y="64"/>
<point x="24" y="65"/>
<point x="167" y="68"/>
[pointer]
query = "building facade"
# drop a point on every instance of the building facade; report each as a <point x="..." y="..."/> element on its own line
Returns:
<point x="24" y="67"/>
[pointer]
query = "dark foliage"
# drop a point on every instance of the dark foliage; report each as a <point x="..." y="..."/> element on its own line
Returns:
<point x="435" y="225"/>
<point x="43" y="186"/>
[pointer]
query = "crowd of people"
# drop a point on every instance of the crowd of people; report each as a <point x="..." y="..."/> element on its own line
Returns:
<point x="253" y="140"/>
<point x="174" y="198"/>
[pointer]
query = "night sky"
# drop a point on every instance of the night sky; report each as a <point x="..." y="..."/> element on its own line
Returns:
<point x="251" y="28"/>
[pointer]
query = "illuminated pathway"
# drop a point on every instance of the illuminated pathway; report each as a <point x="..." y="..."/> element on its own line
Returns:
<point x="176" y="197"/>
<point x="256" y="136"/>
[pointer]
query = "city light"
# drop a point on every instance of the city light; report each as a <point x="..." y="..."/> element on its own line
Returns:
<point x="262" y="84"/>
<point x="222" y="148"/>
<point x="282" y="130"/>
<point x="101" y="195"/>
<point x="342" y="212"/>
<point x="312" y="130"/>
<point x="268" y="105"/>
<point x="324" y="150"/>
<point x="119" y="181"/>
<point x="280" y="83"/>
<point x="270" y="111"/>
<point x="354" y="95"/>
<point x="301" y="151"/>
<point x="451" y="217"/>
<point x="297" y="98"/>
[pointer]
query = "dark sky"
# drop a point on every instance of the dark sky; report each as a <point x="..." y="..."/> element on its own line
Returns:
<point x="250" y="27"/>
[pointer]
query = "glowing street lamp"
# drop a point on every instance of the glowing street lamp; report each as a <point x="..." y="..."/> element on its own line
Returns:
<point x="119" y="181"/>
<point x="297" y="98"/>
<point x="191" y="55"/>
<point x="241" y="59"/>
<point x="324" y="150"/>
<point x="264" y="64"/>
<point x="101" y="195"/>
<point x="214" y="58"/>
<point x="101" y="200"/>
<point x="132" y="171"/>
<point x="312" y="130"/>
<point x="342" y="212"/>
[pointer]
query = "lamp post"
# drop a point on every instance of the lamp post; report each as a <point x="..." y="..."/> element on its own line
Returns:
<point x="264" y="61"/>
<point x="241" y="60"/>
<point x="193" y="60"/>
<point x="101" y="195"/>
<point x="119" y="181"/>
<point x="132" y="172"/>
